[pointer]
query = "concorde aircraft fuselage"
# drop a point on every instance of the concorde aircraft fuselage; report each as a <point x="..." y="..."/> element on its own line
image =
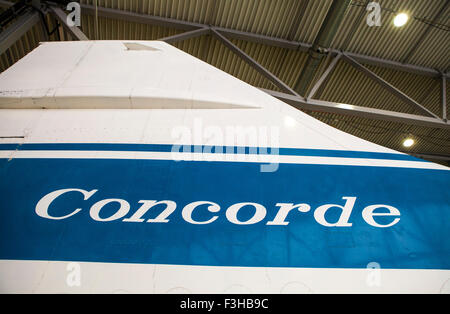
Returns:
<point x="148" y="170"/>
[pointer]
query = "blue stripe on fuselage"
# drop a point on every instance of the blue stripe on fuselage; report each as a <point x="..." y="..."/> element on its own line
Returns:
<point x="209" y="149"/>
<point x="420" y="240"/>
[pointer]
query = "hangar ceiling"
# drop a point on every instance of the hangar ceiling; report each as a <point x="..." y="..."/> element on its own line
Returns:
<point x="381" y="83"/>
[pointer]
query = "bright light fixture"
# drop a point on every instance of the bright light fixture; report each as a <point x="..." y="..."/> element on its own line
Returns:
<point x="345" y="106"/>
<point x="400" y="19"/>
<point x="408" y="142"/>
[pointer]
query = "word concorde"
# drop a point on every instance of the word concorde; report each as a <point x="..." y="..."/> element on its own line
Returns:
<point x="231" y="213"/>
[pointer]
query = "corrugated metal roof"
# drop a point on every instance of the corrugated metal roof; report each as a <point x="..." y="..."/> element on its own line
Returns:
<point x="19" y="49"/>
<point x="301" y="21"/>
<point x="390" y="42"/>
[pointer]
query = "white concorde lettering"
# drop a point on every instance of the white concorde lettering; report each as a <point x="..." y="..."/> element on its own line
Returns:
<point x="368" y="213"/>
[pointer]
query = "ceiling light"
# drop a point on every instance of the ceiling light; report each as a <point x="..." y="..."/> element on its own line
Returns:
<point x="345" y="106"/>
<point x="400" y="19"/>
<point x="408" y="142"/>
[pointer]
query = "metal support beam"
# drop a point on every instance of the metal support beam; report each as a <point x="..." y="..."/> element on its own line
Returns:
<point x="264" y="40"/>
<point x="323" y="77"/>
<point x="252" y="37"/>
<point x="6" y="4"/>
<point x="411" y="102"/>
<point x="444" y="97"/>
<point x="322" y="42"/>
<point x="17" y="29"/>
<point x="262" y="70"/>
<point x="139" y="18"/>
<point x="61" y="16"/>
<point x="210" y="18"/>
<point x="186" y="35"/>
<point x="394" y="65"/>
<point x="357" y="111"/>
